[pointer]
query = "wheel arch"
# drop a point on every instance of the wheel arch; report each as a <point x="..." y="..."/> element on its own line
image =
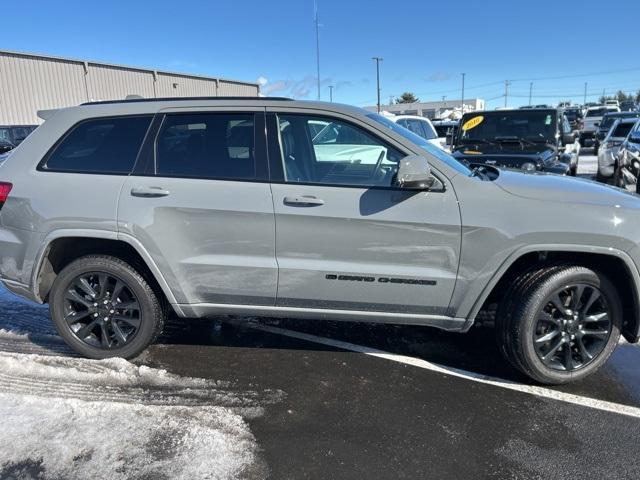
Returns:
<point x="616" y="264"/>
<point x="61" y="247"/>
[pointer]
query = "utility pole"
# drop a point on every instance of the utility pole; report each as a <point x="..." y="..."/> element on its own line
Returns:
<point x="378" y="60"/>
<point x="462" y="100"/>
<point x="604" y="96"/>
<point x="390" y="99"/>
<point x="530" y="90"/>
<point x="585" y="94"/>
<point x="315" y="7"/>
<point x="506" y="92"/>
<point x="331" y="93"/>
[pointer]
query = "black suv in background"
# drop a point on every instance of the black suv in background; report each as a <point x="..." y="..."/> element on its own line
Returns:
<point x="605" y="125"/>
<point x="524" y="139"/>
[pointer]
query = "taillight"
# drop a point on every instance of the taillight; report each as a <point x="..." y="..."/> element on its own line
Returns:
<point x="5" y="188"/>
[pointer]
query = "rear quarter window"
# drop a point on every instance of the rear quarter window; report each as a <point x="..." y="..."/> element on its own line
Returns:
<point x="102" y="145"/>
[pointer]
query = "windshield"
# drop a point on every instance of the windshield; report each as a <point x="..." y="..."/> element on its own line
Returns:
<point x="421" y="142"/>
<point x="525" y="124"/>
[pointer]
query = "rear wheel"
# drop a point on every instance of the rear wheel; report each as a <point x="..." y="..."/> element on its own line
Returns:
<point x="103" y="307"/>
<point x="559" y="323"/>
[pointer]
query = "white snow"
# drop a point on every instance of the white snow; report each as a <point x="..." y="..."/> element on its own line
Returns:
<point x="67" y="417"/>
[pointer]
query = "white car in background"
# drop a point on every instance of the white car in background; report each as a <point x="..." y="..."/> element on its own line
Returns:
<point x="421" y="126"/>
<point x="608" y="151"/>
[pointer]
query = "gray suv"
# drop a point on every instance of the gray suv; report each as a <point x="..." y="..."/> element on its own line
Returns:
<point x="120" y="213"/>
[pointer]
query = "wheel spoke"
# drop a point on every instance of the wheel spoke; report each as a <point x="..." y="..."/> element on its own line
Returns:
<point x="549" y="355"/>
<point x="103" y="281"/>
<point x="85" y="331"/>
<point x="595" y="333"/>
<point x="74" y="296"/>
<point x="576" y="296"/>
<point x="559" y="304"/>
<point x="134" y="322"/>
<point x="117" y="290"/>
<point x="567" y="358"/>
<point x="584" y="353"/>
<point x="547" y="336"/>
<point x="83" y="284"/>
<point x="75" y="317"/>
<point x="547" y="317"/>
<point x="598" y="317"/>
<point x="105" y="341"/>
<point x="118" y="333"/>
<point x="131" y="305"/>
<point x="595" y="295"/>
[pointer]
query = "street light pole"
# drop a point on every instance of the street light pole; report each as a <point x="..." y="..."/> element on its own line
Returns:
<point x="506" y="92"/>
<point x="315" y="6"/>
<point x="462" y="100"/>
<point x="530" y="90"/>
<point x="585" y="94"/>
<point x="378" y="60"/>
<point x="331" y="93"/>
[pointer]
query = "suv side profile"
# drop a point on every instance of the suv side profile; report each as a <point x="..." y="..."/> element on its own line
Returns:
<point x="119" y="213"/>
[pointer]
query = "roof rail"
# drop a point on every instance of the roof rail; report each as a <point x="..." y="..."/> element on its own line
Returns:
<point x="167" y="99"/>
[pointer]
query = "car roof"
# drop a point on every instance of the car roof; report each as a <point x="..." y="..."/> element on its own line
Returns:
<point x="155" y="105"/>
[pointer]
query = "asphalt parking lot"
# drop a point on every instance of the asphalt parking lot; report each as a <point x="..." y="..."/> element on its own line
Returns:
<point x="292" y="400"/>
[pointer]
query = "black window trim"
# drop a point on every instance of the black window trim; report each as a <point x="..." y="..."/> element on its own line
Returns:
<point x="276" y="161"/>
<point x="148" y="163"/>
<point x="42" y="165"/>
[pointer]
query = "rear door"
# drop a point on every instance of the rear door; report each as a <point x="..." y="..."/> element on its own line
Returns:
<point x="345" y="237"/>
<point x="200" y="204"/>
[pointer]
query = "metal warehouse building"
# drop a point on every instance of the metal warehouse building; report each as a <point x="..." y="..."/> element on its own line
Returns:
<point x="29" y="83"/>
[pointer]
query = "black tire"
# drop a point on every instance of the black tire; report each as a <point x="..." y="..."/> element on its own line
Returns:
<point x="149" y="318"/>
<point x="595" y="148"/>
<point x="617" y="177"/>
<point x="519" y="316"/>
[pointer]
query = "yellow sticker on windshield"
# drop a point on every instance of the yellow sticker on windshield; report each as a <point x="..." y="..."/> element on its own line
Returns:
<point x="473" y="123"/>
<point x="472" y="152"/>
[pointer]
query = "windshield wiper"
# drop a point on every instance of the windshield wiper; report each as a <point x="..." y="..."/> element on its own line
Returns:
<point x="519" y="140"/>
<point x="472" y="141"/>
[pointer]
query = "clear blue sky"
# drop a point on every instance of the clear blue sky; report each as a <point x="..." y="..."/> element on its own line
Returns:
<point x="425" y="44"/>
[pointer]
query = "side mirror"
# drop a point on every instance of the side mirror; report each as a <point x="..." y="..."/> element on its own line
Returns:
<point x="414" y="173"/>
<point x="634" y="137"/>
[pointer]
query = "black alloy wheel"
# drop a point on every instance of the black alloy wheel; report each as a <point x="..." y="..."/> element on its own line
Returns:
<point x="573" y="327"/>
<point x="101" y="310"/>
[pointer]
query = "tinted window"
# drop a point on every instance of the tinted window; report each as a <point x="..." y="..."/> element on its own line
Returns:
<point x="622" y="130"/>
<point x="342" y="154"/>
<point x="207" y="145"/>
<point x="527" y="124"/>
<point x="105" y="145"/>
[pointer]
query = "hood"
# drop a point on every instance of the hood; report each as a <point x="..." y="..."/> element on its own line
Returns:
<point x="506" y="155"/>
<point x="557" y="188"/>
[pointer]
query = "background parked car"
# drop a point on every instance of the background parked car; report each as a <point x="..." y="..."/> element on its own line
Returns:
<point x="421" y="126"/>
<point x="447" y="131"/>
<point x="628" y="106"/>
<point x="627" y="167"/>
<point x="605" y="125"/>
<point x="608" y="152"/>
<point x="15" y="134"/>
<point x="530" y="140"/>
<point x="591" y="122"/>
<point x="574" y="115"/>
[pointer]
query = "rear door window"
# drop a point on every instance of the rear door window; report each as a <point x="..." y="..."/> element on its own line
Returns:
<point x="101" y="145"/>
<point x="207" y="145"/>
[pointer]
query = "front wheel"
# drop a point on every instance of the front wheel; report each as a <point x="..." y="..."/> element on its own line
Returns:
<point x="102" y="307"/>
<point x="560" y="323"/>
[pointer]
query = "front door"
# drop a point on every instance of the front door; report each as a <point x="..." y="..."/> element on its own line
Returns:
<point x="346" y="238"/>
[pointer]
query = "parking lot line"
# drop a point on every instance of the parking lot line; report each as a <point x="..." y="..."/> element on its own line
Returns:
<point x="538" y="391"/>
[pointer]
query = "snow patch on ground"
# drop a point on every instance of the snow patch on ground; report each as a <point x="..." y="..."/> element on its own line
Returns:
<point x="76" y="439"/>
<point x="65" y="417"/>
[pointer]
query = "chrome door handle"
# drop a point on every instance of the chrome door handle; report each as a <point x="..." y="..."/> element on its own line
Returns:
<point x="303" y="200"/>
<point x="149" y="192"/>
